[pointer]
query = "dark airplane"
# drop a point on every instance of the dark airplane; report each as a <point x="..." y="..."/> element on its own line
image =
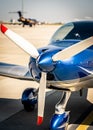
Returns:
<point x="26" y="21"/>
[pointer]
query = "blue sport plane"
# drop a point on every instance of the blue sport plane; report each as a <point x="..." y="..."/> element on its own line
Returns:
<point x="65" y="64"/>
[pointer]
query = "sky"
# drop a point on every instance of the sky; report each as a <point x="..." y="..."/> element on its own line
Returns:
<point x="48" y="10"/>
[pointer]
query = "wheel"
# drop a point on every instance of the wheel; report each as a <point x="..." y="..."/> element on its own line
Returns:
<point x="30" y="25"/>
<point x="29" y="99"/>
<point x="59" y="121"/>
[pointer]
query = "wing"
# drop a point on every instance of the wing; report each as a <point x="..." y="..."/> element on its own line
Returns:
<point x="15" y="71"/>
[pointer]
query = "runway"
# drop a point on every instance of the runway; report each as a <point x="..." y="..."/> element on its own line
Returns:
<point x="14" y="117"/>
<point x="12" y="114"/>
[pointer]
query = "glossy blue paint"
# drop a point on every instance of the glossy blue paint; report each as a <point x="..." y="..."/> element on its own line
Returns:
<point x="68" y="69"/>
<point x="59" y="121"/>
<point x="34" y="70"/>
<point x="28" y="97"/>
<point x="45" y="62"/>
<point x="63" y="70"/>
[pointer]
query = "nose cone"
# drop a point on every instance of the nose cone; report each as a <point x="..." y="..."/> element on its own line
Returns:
<point x="45" y="63"/>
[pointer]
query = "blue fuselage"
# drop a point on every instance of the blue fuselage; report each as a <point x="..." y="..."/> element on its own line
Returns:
<point x="70" y="71"/>
<point x="73" y="73"/>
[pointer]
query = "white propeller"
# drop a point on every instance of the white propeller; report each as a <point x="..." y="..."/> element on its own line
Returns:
<point x="41" y="98"/>
<point x="21" y="42"/>
<point x="30" y="49"/>
<point x="62" y="55"/>
<point x="73" y="50"/>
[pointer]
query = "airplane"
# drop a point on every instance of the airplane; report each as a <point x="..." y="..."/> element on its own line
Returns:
<point x="26" y="21"/>
<point x="65" y="64"/>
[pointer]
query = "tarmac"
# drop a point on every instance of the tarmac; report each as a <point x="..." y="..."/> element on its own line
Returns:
<point x="12" y="114"/>
<point x="14" y="117"/>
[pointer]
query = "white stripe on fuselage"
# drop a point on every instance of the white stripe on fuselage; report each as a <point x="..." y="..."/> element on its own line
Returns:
<point x="73" y="85"/>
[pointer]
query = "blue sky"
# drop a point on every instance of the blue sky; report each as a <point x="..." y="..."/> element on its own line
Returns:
<point x="48" y="10"/>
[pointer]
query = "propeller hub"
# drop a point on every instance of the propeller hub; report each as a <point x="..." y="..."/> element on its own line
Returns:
<point x="45" y="63"/>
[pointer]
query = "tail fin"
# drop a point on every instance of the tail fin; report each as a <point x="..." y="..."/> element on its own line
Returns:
<point x="20" y="13"/>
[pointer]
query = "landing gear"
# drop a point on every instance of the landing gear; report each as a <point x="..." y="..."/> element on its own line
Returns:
<point x="29" y="99"/>
<point x="60" y="119"/>
<point x="23" y="25"/>
<point x="30" y="25"/>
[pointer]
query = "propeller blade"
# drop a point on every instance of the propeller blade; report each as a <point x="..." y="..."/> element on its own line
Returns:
<point x="21" y="42"/>
<point x="41" y="98"/>
<point x="73" y="50"/>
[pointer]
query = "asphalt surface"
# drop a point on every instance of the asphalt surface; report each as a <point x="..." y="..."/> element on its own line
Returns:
<point x="14" y="117"/>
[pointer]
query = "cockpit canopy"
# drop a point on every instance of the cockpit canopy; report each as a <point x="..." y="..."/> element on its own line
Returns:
<point x="73" y="31"/>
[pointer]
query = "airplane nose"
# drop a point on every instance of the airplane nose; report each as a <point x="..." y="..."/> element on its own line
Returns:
<point x="45" y="63"/>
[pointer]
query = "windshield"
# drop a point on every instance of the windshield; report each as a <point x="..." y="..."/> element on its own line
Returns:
<point x="73" y="31"/>
<point x="62" y="32"/>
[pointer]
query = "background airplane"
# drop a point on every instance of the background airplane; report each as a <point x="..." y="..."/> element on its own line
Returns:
<point x="26" y="21"/>
<point x="65" y="64"/>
